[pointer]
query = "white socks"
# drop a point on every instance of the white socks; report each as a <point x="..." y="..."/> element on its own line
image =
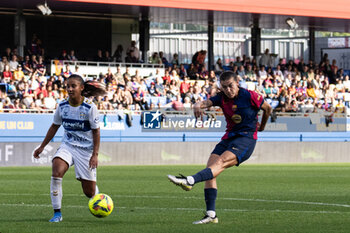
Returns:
<point x="97" y="191"/>
<point x="56" y="192"/>
<point x="190" y="180"/>
<point x="211" y="213"/>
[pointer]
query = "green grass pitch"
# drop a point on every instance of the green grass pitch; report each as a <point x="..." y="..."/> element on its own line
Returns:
<point x="251" y="198"/>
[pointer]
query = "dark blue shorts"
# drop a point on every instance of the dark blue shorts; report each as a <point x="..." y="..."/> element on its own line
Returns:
<point x="241" y="146"/>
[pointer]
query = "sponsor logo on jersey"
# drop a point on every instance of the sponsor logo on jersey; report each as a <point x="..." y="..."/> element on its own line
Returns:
<point x="82" y="115"/>
<point x="65" y="111"/>
<point x="236" y="118"/>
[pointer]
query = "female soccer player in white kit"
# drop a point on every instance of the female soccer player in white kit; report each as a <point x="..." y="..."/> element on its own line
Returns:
<point x="81" y="141"/>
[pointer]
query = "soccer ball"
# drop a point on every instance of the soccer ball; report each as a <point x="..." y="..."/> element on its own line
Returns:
<point x="101" y="205"/>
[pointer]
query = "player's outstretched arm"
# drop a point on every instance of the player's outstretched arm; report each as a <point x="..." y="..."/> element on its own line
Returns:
<point x="199" y="107"/>
<point x="267" y="111"/>
<point x="49" y="135"/>
<point x="96" y="140"/>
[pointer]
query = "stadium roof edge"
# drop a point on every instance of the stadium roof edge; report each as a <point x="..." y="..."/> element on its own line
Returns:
<point x="313" y="8"/>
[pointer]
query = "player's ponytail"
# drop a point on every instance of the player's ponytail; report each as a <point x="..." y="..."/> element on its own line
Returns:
<point x="91" y="88"/>
<point x="94" y="88"/>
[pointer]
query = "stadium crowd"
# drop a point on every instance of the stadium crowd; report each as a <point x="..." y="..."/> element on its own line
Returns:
<point x="288" y="87"/>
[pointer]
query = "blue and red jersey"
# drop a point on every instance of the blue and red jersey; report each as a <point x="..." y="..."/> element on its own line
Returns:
<point x="241" y="113"/>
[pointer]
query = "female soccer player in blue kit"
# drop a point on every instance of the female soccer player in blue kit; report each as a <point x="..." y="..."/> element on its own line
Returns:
<point x="240" y="107"/>
<point x="80" y="144"/>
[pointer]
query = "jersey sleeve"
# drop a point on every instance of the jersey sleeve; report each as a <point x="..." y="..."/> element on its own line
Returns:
<point x="216" y="100"/>
<point x="256" y="99"/>
<point x="94" y="117"/>
<point x="57" y="119"/>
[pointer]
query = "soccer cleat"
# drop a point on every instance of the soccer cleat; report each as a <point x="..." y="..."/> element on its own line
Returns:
<point x="207" y="219"/>
<point x="180" y="181"/>
<point x="57" y="217"/>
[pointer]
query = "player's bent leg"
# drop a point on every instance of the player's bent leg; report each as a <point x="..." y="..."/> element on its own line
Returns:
<point x="89" y="187"/>
<point x="59" y="168"/>
<point x="226" y="160"/>
<point x="187" y="182"/>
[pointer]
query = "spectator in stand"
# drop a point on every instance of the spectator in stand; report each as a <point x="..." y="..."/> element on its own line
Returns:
<point x="158" y="84"/>
<point x="166" y="77"/>
<point x="334" y="65"/>
<point x="212" y="76"/>
<point x="18" y="75"/>
<point x="278" y="72"/>
<point x="175" y="76"/>
<point x="304" y="72"/>
<point x="27" y="65"/>
<point x="301" y="65"/>
<point x="7" y="53"/>
<point x="241" y="72"/>
<point x="3" y="63"/>
<point x="13" y="63"/>
<point x="282" y="64"/>
<point x="266" y="59"/>
<point x="203" y="74"/>
<point x="67" y="72"/>
<point x="175" y="60"/>
<point x="184" y="87"/>
<point x="262" y="73"/>
<point x="99" y="57"/>
<point x="40" y="67"/>
<point x="238" y="62"/>
<point x="119" y="78"/>
<point x="35" y="45"/>
<point x="192" y="72"/>
<point x="78" y="72"/>
<point x="107" y="57"/>
<point x="72" y="56"/>
<point x="311" y="65"/>
<point x="346" y="83"/>
<point x="288" y="71"/>
<point x="109" y="76"/>
<point x="182" y="71"/>
<point x="219" y="66"/>
<point x="132" y="53"/>
<point x="163" y="59"/>
<point x="34" y="62"/>
<point x="251" y="75"/>
<point x="155" y="59"/>
<point x="118" y="53"/>
<point x="6" y="75"/>
<point x="127" y="73"/>
<point x="63" y="55"/>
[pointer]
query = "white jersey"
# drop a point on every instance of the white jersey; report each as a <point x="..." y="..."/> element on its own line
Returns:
<point x="77" y="123"/>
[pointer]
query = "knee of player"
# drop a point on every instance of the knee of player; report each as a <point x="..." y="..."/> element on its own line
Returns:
<point x="57" y="174"/>
<point x="89" y="193"/>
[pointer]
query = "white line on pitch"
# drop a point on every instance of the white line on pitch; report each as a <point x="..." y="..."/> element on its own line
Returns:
<point x="197" y="198"/>
<point x="183" y="209"/>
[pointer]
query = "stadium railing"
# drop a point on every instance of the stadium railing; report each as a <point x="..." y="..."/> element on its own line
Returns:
<point x="92" y="68"/>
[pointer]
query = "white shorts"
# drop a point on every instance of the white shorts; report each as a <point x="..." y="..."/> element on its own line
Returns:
<point x="79" y="158"/>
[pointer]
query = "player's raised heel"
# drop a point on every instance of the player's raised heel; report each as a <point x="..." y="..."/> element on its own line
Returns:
<point x="207" y="219"/>
<point x="57" y="217"/>
<point x="180" y="181"/>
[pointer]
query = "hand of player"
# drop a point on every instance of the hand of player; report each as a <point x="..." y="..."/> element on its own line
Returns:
<point x="198" y="111"/>
<point x="93" y="162"/>
<point x="260" y="128"/>
<point x="37" y="152"/>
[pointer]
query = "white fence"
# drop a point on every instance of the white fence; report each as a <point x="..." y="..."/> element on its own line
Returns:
<point x="92" y="68"/>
